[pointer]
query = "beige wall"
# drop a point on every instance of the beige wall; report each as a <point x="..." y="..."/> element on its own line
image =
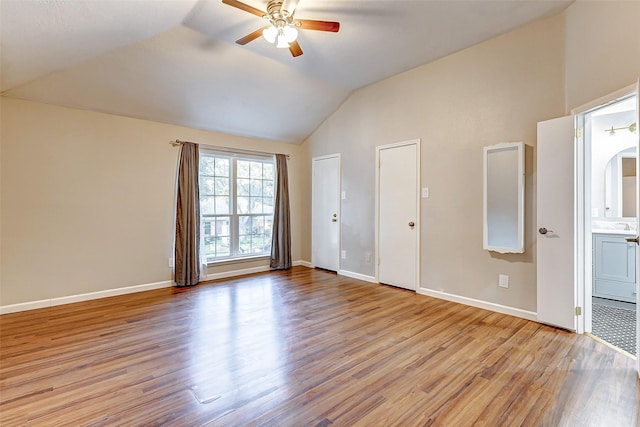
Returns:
<point x="76" y="184"/>
<point x="87" y="199"/>
<point x="493" y="92"/>
<point x="602" y="48"/>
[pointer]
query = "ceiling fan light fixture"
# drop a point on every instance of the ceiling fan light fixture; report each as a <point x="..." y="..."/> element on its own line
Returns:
<point x="282" y="41"/>
<point x="270" y="34"/>
<point x="290" y="34"/>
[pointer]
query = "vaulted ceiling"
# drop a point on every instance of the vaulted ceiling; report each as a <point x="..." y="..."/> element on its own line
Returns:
<point x="175" y="61"/>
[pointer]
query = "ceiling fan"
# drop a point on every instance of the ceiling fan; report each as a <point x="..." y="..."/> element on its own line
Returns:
<point x="282" y="28"/>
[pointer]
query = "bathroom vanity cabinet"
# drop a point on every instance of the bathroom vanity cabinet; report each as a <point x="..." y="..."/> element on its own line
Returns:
<point x="614" y="267"/>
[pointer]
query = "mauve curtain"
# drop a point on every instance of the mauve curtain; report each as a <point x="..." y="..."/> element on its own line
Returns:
<point x="187" y="238"/>
<point x="281" y="232"/>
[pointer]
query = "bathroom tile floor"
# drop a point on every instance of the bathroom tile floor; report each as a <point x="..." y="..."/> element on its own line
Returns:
<point x="615" y="323"/>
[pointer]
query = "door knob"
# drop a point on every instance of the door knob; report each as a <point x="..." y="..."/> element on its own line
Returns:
<point x="543" y="230"/>
<point x="412" y="224"/>
<point x="633" y="240"/>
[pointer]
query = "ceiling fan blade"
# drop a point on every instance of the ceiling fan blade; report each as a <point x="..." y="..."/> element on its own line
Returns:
<point x="290" y="5"/>
<point x="295" y="49"/>
<point x="310" y="24"/>
<point x="245" y="7"/>
<point x="250" y="37"/>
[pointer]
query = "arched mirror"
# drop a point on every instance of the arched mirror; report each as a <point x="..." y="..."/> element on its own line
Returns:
<point x="620" y="185"/>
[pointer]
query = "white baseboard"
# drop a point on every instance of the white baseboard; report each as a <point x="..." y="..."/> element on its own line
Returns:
<point x="303" y="263"/>
<point x="517" y="312"/>
<point x="357" y="276"/>
<point x="234" y="273"/>
<point x="32" y="305"/>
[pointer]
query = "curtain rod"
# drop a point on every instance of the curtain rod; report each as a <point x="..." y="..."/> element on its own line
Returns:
<point x="228" y="149"/>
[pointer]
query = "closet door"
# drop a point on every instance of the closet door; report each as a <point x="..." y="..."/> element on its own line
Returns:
<point x="326" y="212"/>
<point x="398" y="213"/>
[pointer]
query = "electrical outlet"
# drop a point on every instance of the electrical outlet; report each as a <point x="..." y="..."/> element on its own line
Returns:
<point x="343" y="254"/>
<point x="503" y="281"/>
<point x="367" y="257"/>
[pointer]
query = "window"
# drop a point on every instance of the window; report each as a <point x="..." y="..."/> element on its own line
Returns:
<point x="236" y="205"/>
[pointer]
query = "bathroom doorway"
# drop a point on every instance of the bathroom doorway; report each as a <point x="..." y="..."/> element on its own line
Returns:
<point x="610" y="136"/>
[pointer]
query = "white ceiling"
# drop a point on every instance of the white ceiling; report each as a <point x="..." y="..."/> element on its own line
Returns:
<point x="175" y="61"/>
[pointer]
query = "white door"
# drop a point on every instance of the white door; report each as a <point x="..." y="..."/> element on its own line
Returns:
<point x="398" y="231"/>
<point x="638" y="227"/>
<point x="326" y="212"/>
<point x="556" y="254"/>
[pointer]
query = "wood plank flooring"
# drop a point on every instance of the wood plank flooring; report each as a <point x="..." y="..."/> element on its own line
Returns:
<point x="302" y="348"/>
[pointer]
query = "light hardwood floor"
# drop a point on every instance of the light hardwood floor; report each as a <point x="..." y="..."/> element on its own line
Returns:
<point x="303" y="348"/>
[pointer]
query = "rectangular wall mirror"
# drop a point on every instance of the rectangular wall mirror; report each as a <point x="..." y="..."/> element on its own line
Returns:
<point x="503" y="202"/>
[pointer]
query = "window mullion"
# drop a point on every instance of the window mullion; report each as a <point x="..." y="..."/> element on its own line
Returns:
<point x="233" y="176"/>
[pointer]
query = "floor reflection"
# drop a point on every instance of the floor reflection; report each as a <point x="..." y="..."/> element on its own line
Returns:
<point x="237" y="338"/>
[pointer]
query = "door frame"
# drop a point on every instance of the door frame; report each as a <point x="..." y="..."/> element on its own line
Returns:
<point x="379" y="148"/>
<point x="584" y="244"/>
<point x="338" y="156"/>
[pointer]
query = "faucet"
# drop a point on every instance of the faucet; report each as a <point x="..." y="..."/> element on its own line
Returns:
<point x="626" y="226"/>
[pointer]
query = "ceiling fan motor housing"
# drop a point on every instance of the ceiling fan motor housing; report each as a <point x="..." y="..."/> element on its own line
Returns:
<point x="277" y="16"/>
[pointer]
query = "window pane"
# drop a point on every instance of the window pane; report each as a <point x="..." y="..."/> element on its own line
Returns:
<point x="222" y="167"/>
<point x="268" y="171"/>
<point x="223" y="226"/>
<point x="243" y="187"/>
<point x="210" y="247"/>
<point x="244" y="225"/>
<point x="223" y="247"/>
<point x="256" y="187"/>
<point x="207" y="205"/>
<point x="267" y="205"/>
<point x="245" y="245"/>
<point x="257" y="241"/>
<point x="256" y="169"/>
<point x="267" y="188"/>
<point x="268" y="226"/>
<point x="255" y="234"/>
<point x="243" y="168"/>
<point x="243" y="205"/>
<point x="244" y="234"/>
<point x="222" y="186"/>
<point x="222" y="205"/>
<point x="207" y="186"/>
<point x="255" y="205"/>
<point x="216" y="237"/>
<point x="207" y="165"/>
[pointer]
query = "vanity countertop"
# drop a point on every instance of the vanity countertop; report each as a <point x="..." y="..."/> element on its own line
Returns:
<point x="613" y="231"/>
